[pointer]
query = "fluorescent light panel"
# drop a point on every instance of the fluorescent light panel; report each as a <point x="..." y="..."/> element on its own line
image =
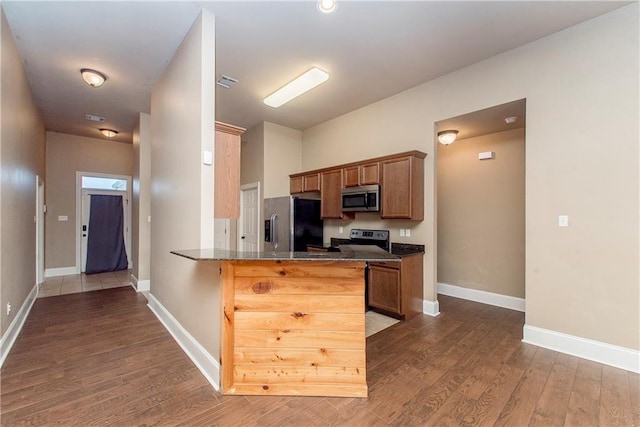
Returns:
<point x="297" y="87"/>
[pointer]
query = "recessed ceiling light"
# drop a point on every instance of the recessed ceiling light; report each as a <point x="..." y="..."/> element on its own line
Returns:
<point x="327" y="6"/>
<point x="109" y="133"/>
<point x="297" y="87"/>
<point x="92" y="77"/>
<point x="446" y="137"/>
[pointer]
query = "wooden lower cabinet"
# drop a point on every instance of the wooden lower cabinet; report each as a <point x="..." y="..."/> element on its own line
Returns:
<point x="293" y="328"/>
<point x="395" y="288"/>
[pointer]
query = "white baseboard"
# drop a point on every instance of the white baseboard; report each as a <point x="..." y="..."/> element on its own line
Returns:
<point x="209" y="367"/>
<point x="619" y="357"/>
<point x="431" y="308"/>
<point x="484" y="297"/>
<point x="140" y="285"/>
<point x="61" y="271"/>
<point x="9" y="337"/>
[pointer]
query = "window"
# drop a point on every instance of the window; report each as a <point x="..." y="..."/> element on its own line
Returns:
<point x="98" y="183"/>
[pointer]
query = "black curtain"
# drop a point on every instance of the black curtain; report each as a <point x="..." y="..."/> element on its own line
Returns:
<point x="105" y="244"/>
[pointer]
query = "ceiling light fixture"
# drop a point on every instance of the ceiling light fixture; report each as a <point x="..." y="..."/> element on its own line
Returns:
<point x="510" y="120"/>
<point x="296" y="87"/>
<point x="327" y="6"/>
<point x="446" y="137"/>
<point x="109" y="133"/>
<point x="92" y="77"/>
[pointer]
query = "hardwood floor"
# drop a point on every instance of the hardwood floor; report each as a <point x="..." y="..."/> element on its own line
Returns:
<point x="103" y="358"/>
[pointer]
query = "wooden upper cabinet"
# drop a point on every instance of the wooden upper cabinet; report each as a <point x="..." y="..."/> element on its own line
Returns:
<point x="227" y="171"/>
<point x="304" y="183"/>
<point x="369" y="173"/>
<point x="331" y="194"/>
<point x="403" y="188"/>
<point x="361" y="174"/>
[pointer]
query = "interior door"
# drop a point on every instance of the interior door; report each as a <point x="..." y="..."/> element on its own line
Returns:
<point x="86" y="215"/>
<point x="249" y="221"/>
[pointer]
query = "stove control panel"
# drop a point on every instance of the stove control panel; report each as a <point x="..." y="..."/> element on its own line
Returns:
<point x="369" y="234"/>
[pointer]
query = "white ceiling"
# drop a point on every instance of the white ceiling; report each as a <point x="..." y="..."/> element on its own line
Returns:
<point x="371" y="49"/>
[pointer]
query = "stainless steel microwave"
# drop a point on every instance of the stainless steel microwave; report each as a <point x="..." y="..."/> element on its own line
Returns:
<point x="361" y="199"/>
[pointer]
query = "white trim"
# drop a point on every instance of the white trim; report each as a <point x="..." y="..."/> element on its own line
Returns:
<point x="484" y="297"/>
<point x="431" y="308"/>
<point x="209" y="367"/>
<point x="140" y="285"/>
<point x="608" y="354"/>
<point x="61" y="271"/>
<point x="9" y="337"/>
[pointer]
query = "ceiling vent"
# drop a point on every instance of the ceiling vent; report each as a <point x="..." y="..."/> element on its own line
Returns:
<point x="226" y="81"/>
<point x="93" y="118"/>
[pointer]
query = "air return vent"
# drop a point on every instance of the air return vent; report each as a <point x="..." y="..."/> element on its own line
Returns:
<point x="93" y="118"/>
<point x="226" y="81"/>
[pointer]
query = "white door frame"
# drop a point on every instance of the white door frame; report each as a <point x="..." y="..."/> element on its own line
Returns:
<point x="39" y="219"/>
<point x="79" y="176"/>
<point x="249" y="187"/>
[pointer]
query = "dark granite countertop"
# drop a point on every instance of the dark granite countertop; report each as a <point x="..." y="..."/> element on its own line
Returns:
<point x="347" y="253"/>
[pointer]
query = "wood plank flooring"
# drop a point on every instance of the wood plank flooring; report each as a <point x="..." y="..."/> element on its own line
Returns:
<point x="102" y="358"/>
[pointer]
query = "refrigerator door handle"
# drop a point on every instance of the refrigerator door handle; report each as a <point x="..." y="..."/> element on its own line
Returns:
<point x="274" y="231"/>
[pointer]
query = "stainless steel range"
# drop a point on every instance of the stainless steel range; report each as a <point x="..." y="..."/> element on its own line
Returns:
<point x="379" y="238"/>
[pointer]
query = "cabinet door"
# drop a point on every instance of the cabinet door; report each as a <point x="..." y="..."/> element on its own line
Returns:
<point x="384" y="288"/>
<point x="330" y="197"/>
<point x="295" y="185"/>
<point x="370" y="173"/>
<point x="403" y="188"/>
<point x="350" y="176"/>
<point x="227" y="171"/>
<point x="311" y="182"/>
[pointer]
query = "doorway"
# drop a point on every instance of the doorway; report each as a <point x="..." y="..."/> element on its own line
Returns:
<point x="40" y="210"/>
<point x="96" y="184"/>
<point x="480" y="206"/>
<point x="249" y="221"/>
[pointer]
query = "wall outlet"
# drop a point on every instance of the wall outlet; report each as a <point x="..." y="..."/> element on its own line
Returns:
<point x="340" y="230"/>
<point x="563" y="220"/>
<point x="402" y="232"/>
<point x="408" y="232"/>
<point x="8" y="308"/>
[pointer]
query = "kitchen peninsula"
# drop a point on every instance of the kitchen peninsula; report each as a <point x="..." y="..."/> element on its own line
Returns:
<point x="293" y="322"/>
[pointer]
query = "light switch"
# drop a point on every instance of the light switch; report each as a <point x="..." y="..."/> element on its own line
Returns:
<point x="408" y="232"/>
<point x="402" y="232"/>
<point x="563" y="220"/>
<point x="149" y="218"/>
<point x="340" y="230"/>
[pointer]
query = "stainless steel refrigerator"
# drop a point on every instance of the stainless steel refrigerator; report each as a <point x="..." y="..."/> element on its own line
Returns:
<point x="291" y="223"/>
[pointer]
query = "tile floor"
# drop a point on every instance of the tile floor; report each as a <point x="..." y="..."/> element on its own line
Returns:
<point x="75" y="283"/>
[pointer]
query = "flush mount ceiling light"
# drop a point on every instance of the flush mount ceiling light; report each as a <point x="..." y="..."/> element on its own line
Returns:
<point x="327" y="6"/>
<point x="92" y="77"/>
<point x="510" y="120"/>
<point x="109" y="133"/>
<point x="297" y="87"/>
<point x="446" y="137"/>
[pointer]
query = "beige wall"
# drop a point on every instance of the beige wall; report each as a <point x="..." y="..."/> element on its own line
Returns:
<point x="66" y="155"/>
<point x="141" y="209"/>
<point x="481" y="213"/>
<point x="252" y="155"/>
<point x="182" y="127"/>
<point x="282" y="157"/>
<point x="22" y="158"/>
<point x="580" y="84"/>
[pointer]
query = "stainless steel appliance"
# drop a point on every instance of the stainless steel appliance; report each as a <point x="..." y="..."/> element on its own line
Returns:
<point x="361" y="199"/>
<point x="291" y="223"/>
<point x="379" y="238"/>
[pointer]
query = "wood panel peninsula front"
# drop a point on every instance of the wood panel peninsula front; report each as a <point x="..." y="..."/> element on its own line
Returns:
<point x="293" y="322"/>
